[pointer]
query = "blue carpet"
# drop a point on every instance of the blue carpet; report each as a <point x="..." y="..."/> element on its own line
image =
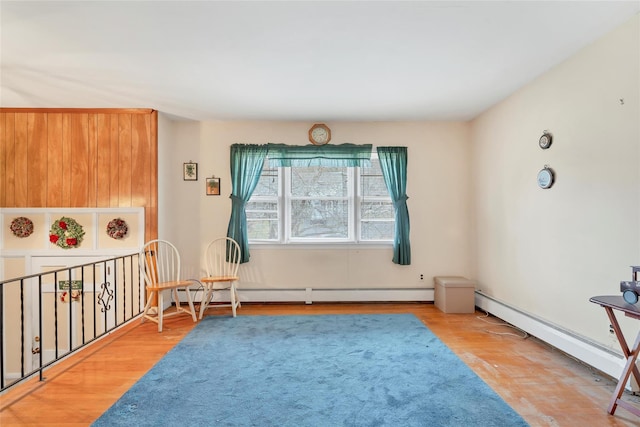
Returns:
<point x="323" y="370"/>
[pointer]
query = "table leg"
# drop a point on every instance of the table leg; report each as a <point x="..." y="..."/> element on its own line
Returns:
<point x="630" y="367"/>
<point x="621" y="340"/>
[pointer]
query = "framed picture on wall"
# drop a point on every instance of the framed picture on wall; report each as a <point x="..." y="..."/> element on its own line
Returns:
<point x="190" y="171"/>
<point x="213" y="186"/>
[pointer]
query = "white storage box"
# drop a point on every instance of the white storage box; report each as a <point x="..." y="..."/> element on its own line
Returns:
<point x="455" y="294"/>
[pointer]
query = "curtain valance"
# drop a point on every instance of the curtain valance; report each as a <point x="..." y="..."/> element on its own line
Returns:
<point x="341" y="155"/>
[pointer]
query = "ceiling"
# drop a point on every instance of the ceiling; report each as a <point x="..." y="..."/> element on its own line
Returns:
<point x="290" y="60"/>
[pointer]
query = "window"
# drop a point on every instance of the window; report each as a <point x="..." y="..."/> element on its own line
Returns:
<point x="320" y="204"/>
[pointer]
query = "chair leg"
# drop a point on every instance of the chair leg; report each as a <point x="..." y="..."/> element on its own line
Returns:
<point x="190" y="301"/>
<point x="160" y="310"/>
<point x="232" y="296"/>
<point x="205" y="300"/>
<point x="176" y="299"/>
<point x="147" y="306"/>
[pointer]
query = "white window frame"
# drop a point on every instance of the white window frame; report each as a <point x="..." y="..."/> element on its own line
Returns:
<point x="284" y="199"/>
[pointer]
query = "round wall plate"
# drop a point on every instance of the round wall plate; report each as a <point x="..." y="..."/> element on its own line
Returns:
<point x="545" y="178"/>
<point x="545" y="140"/>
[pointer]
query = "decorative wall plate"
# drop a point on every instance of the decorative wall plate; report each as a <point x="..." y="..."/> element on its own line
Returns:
<point x="545" y="140"/>
<point x="545" y="177"/>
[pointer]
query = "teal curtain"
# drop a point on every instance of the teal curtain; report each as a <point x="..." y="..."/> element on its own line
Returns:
<point x="393" y="162"/>
<point x="246" y="167"/>
<point x="341" y="155"/>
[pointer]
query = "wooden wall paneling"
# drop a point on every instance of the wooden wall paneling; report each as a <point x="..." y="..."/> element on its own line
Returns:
<point x="37" y="173"/>
<point x="3" y="166"/>
<point x="103" y="160"/>
<point x="124" y="164"/>
<point x="3" y="159"/>
<point x="114" y="180"/>
<point x="21" y="160"/>
<point x="139" y="160"/>
<point x="79" y="164"/>
<point x="92" y="161"/>
<point x="10" y="160"/>
<point x="54" y="160"/>
<point x="65" y="169"/>
<point x="151" y="213"/>
<point x="142" y="167"/>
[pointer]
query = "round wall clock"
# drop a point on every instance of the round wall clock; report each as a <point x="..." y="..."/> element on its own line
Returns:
<point x="545" y="140"/>
<point x="545" y="177"/>
<point x="319" y="134"/>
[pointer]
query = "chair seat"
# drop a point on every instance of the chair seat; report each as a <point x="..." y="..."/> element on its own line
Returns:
<point x="168" y="285"/>
<point x="219" y="279"/>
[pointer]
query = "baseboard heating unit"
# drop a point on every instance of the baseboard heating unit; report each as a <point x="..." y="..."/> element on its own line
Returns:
<point x="593" y="354"/>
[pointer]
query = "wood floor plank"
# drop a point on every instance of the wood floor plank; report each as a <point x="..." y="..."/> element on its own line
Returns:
<point x="542" y="384"/>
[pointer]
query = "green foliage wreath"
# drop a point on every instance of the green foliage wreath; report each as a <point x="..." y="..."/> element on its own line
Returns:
<point x="66" y="233"/>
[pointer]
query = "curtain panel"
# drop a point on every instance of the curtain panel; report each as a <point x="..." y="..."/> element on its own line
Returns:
<point x="246" y="167"/>
<point x="393" y="162"/>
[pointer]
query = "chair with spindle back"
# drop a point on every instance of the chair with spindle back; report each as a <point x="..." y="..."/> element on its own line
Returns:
<point x="160" y="269"/>
<point x="222" y="259"/>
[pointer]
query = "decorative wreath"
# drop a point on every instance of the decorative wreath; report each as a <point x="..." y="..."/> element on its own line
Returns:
<point x="21" y="227"/>
<point x="66" y="233"/>
<point x="117" y="228"/>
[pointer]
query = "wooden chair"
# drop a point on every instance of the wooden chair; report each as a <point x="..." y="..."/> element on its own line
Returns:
<point x="160" y="268"/>
<point x="222" y="259"/>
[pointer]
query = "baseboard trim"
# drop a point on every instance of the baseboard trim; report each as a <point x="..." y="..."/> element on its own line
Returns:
<point x="311" y="295"/>
<point x="593" y="354"/>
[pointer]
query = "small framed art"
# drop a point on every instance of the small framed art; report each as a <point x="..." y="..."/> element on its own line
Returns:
<point x="213" y="186"/>
<point x="190" y="171"/>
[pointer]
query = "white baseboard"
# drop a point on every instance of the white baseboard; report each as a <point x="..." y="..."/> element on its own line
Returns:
<point x="593" y="354"/>
<point x="310" y="295"/>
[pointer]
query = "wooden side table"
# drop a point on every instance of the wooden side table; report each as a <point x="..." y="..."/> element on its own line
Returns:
<point x="610" y="303"/>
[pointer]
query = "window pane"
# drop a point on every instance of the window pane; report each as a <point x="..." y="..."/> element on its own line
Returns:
<point x="262" y="230"/>
<point x="377" y="210"/>
<point x="262" y="220"/>
<point x="377" y="215"/>
<point x="372" y="181"/>
<point x="320" y="219"/>
<point x="377" y="230"/>
<point x="268" y="183"/>
<point x="319" y="182"/>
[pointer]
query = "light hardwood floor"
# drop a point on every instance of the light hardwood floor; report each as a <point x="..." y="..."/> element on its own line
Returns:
<point x="543" y="385"/>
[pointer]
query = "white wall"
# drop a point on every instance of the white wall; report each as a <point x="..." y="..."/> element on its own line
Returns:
<point x="438" y="189"/>
<point x="546" y="252"/>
